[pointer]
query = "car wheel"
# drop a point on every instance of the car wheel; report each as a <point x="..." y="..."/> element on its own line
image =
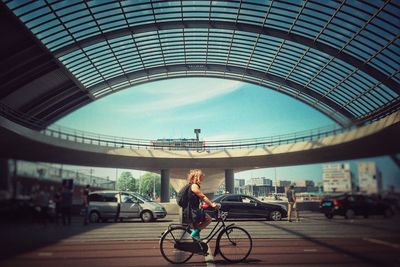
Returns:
<point x="146" y="216"/>
<point x="329" y="215"/>
<point x="349" y="214"/>
<point x="94" y="217"/>
<point x="275" y="215"/>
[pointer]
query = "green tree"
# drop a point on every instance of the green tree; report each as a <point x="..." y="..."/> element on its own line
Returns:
<point x="127" y="182"/>
<point x="150" y="181"/>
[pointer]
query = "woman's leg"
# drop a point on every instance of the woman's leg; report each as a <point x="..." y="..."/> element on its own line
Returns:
<point x="205" y="223"/>
<point x="200" y="226"/>
<point x="290" y="208"/>
<point x="296" y="212"/>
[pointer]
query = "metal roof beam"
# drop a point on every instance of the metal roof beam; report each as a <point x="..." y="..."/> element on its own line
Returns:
<point x="225" y="25"/>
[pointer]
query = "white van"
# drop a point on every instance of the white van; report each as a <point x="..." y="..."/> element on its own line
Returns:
<point x="119" y="205"/>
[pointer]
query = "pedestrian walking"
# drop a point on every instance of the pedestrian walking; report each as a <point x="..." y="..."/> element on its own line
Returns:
<point x="292" y="203"/>
<point x="85" y="197"/>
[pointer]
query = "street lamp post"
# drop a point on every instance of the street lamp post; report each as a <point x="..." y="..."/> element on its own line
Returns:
<point x="197" y="131"/>
<point x="116" y="178"/>
<point x="154" y="188"/>
<point x="276" y="188"/>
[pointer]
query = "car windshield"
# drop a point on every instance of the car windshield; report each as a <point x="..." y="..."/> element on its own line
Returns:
<point x="143" y="198"/>
<point x="138" y="196"/>
<point x="218" y="199"/>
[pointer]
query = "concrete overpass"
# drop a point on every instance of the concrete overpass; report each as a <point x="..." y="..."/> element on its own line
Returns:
<point x="378" y="138"/>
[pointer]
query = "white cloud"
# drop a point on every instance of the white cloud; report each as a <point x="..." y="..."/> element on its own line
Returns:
<point x="171" y="95"/>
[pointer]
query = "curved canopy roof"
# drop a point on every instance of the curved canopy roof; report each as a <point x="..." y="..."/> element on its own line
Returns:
<point x="340" y="57"/>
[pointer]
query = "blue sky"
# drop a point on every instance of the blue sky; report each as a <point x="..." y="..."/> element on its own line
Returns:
<point x="222" y="109"/>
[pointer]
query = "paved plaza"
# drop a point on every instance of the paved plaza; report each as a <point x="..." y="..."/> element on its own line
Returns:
<point x="315" y="241"/>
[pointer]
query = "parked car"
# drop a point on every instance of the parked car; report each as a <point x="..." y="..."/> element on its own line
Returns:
<point x="350" y="205"/>
<point x="393" y="202"/>
<point x="103" y="205"/>
<point x="244" y="206"/>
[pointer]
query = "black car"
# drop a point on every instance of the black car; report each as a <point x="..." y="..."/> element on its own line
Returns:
<point x="350" y="205"/>
<point x="244" y="206"/>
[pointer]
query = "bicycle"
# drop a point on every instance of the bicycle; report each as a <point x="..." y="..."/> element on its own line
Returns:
<point x="233" y="242"/>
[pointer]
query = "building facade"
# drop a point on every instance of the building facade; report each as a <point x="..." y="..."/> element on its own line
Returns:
<point x="305" y="183"/>
<point x="239" y="186"/>
<point x="337" y="178"/>
<point x="283" y="183"/>
<point x="263" y="190"/>
<point x="369" y="178"/>
<point x="259" y="181"/>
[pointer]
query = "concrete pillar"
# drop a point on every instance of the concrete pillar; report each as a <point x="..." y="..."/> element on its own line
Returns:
<point x="229" y="181"/>
<point x="164" y="186"/>
<point x="4" y="175"/>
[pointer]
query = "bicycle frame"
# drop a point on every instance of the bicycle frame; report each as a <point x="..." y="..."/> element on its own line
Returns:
<point x="220" y="220"/>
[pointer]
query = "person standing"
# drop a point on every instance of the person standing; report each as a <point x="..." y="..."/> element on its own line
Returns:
<point x="57" y="200"/>
<point x="85" y="197"/>
<point x="66" y="205"/>
<point x="291" y="196"/>
<point x="43" y="203"/>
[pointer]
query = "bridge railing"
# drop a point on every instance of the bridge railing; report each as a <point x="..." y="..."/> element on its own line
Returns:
<point x="91" y="138"/>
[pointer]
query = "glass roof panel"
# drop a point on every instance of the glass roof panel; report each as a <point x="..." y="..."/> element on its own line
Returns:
<point x="346" y="52"/>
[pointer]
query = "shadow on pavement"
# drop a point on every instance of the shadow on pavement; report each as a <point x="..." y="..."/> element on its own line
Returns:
<point x="22" y="237"/>
<point x="359" y="223"/>
<point x="364" y="259"/>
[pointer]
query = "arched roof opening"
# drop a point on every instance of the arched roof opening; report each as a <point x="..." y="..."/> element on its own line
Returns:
<point x="342" y="58"/>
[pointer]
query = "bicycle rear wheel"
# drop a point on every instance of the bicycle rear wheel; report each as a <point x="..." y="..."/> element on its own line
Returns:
<point x="168" y="243"/>
<point x="234" y="244"/>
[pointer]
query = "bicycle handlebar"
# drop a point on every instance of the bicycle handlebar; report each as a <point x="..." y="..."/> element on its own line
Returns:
<point x="220" y="214"/>
<point x="206" y="206"/>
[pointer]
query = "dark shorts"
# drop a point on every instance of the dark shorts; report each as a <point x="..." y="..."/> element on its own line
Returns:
<point x="198" y="215"/>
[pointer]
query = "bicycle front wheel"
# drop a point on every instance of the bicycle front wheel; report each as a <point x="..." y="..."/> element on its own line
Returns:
<point x="235" y="244"/>
<point x="168" y="245"/>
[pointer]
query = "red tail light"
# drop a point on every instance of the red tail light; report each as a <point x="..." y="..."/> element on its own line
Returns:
<point x="336" y="202"/>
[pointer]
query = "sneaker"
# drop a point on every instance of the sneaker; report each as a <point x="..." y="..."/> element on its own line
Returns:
<point x="196" y="237"/>
<point x="196" y="234"/>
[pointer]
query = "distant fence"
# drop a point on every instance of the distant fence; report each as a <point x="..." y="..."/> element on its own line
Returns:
<point x="47" y="172"/>
<point x="74" y="135"/>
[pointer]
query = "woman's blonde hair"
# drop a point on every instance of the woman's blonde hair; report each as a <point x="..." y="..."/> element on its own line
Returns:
<point x="194" y="176"/>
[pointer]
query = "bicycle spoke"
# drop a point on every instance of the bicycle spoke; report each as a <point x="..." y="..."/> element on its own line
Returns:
<point x="235" y="244"/>
<point x="168" y="242"/>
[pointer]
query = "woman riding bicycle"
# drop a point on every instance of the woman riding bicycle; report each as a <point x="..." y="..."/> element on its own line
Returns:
<point x="233" y="243"/>
<point x="196" y="214"/>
